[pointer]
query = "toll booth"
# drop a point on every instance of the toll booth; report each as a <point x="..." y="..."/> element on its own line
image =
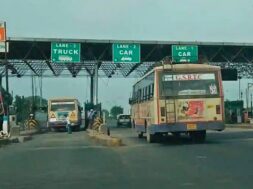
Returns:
<point x="234" y="111"/>
<point x="87" y="107"/>
<point x="41" y="116"/>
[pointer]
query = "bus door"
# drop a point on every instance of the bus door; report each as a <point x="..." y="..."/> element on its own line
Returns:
<point x="168" y="101"/>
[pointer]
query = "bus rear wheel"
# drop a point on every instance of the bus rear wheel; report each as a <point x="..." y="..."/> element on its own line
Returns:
<point x="150" y="138"/>
<point x="198" y="136"/>
<point x="140" y="135"/>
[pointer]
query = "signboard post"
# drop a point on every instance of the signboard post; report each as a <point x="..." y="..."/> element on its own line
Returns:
<point x="3" y="48"/>
<point x="65" y="52"/>
<point x="126" y="53"/>
<point x="184" y="53"/>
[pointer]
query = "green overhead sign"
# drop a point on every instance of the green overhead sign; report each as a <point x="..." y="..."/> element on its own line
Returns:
<point x="65" y="52"/>
<point x="184" y="53"/>
<point x="126" y="53"/>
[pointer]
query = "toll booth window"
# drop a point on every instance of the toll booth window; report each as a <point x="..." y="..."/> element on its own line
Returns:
<point x="62" y="107"/>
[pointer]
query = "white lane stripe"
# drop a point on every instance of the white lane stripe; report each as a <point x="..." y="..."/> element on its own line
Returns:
<point x="64" y="147"/>
<point x="85" y="147"/>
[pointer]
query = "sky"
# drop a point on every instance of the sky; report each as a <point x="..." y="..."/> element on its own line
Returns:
<point x="167" y="20"/>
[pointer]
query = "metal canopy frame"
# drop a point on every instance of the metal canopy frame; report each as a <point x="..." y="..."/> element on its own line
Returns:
<point x="31" y="56"/>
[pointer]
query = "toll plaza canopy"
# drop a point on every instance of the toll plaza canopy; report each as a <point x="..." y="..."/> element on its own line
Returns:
<point x="32" y="56"/>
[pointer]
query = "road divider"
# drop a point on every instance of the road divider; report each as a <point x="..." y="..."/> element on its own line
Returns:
<point x="4" y="141"/>
<point x="240" y="126"/>
<point x="104" y="139"/>
<point x="18" y="137"/>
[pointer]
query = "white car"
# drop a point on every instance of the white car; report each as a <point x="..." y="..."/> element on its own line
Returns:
<point x="124" y="120"/>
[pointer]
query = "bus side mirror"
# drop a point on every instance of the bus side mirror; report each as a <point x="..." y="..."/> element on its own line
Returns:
<point x="81" y="108"/>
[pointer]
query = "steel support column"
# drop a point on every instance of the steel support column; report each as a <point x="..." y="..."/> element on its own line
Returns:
<point x="91" y="88"/>
<point x="6" y="77"/>
<point x="96" y="84"/>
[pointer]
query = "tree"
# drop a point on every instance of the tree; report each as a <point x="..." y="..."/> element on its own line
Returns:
<point x="116" y="110"/>
<point x="7" y="98"/>
<point x="24" y="106"/>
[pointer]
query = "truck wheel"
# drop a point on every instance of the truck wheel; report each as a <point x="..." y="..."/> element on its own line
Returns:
<point x="198" y="136"/>
<point x="77" y="128"/>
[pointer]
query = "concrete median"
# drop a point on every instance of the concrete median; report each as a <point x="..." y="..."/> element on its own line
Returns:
<point x="4" y="141"/>
<point x="240" y="126"/>
<point x="18" y="137"/>
<point x="104" y="139"/>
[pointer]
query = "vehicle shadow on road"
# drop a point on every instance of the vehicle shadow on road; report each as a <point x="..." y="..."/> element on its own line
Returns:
<point x="247" y="134"/>
<point x="172" y="140"/>
<point x="212" y="138"/>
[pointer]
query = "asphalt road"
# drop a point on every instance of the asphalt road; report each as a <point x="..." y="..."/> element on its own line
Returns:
<point x="71" y="161"/>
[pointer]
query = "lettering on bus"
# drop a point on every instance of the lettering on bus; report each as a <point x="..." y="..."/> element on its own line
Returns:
<point x="187" y="77"/>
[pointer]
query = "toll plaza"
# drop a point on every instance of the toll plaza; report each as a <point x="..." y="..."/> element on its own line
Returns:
<point x="112" y="58"/>
<point x="38" y="57"/>
<point x="52" y="57"/>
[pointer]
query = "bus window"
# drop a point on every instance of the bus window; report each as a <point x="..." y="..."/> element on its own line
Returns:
<point x="152" y="90"/>
<point x="146" y="93"/>
<point x="139" y="95"/>
<point x="149" y="92"/>
<point x="143" y="94"/>
<point x="62" y="106"/>
<point x="193" y="84"/>
<point x="148" y="89"/>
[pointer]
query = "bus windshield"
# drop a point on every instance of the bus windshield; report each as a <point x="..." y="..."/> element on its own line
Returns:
<point x="62" y="106"/>
<point x="188" y="84"/>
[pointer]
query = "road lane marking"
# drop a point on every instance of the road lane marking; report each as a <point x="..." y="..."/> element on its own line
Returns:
<point x="65" y="147"/>
<point x="201" y="157"/>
